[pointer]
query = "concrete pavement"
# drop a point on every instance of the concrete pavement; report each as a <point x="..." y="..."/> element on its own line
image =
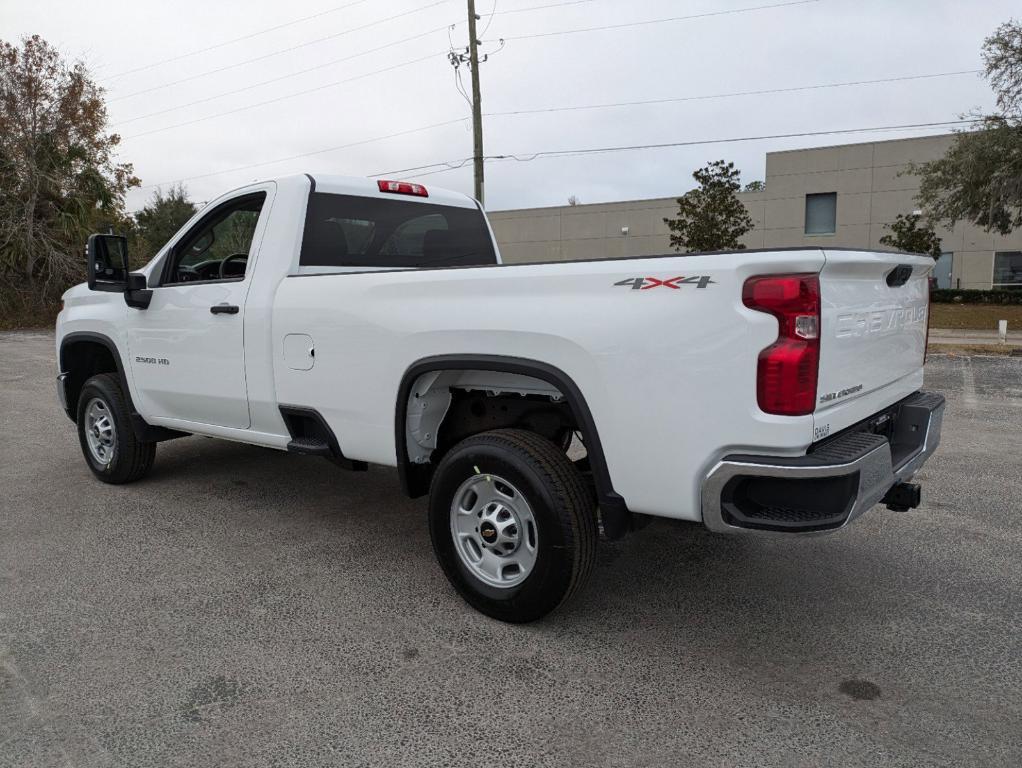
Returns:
<point x="242" y="606"/>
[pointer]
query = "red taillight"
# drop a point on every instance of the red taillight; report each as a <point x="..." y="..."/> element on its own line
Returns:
<point x="402" y="188"/>
<point x="788" y="368"/>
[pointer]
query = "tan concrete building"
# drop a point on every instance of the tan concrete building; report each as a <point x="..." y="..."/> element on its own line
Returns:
<point x="840" y="196"/>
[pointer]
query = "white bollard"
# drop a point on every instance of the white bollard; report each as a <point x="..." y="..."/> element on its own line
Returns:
<point x="1002" y="331"/>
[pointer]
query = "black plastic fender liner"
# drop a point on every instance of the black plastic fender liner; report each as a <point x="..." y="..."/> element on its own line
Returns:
<point x="415" y="478"/>
<point x="144" y="431"/>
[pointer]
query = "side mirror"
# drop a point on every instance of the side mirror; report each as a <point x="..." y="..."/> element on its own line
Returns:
<point x="136" y="293"/>
<point x="107" y="257"/>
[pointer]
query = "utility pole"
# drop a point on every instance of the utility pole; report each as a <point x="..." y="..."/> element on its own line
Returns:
<point x="477" y="107"/>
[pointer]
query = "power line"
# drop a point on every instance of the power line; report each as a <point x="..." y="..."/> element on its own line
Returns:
<point x="489" y="21"/>
<point x="451" y="165"/>
<point x="271" y="54"/>
<point x="308" y="154"/>
<point x="285" y="50"/>
<point x="249" y="36"/>
<point x="529" y="157"/>
<point x="659" y="21"/>
<point x="283" y="98"/>
<point x="280" y="78"/>
<point x="538" y="8"/>
<point x="705" y="97"/>
<point x="558" y="109"/>
<point x="298" y="73"/>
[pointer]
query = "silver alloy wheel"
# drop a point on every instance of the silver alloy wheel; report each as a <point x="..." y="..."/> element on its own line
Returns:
<point x="494" y="530"/>
<point x="100" y="433"/>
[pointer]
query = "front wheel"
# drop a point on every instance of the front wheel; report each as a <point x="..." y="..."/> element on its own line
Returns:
<point x="108" y="441"/>
<point x="512" y="524"/>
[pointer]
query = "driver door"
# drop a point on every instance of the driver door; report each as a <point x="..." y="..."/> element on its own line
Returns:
<point x="188" y="348"/>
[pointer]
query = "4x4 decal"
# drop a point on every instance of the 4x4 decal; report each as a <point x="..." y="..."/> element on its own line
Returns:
<point x="645" y="283"/>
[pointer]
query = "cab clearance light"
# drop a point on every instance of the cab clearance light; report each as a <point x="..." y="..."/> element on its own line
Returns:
<point x="402" y="188"/>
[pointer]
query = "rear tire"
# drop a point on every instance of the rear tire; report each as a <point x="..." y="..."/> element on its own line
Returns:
<point x="105" y="433"/>
<point x="512" y="524"/>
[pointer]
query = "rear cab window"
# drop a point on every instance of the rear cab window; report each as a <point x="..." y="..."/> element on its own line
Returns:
<point x="385" y="233"/>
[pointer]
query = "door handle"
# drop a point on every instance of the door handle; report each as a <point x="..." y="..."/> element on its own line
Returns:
<point x="224" y="309"/>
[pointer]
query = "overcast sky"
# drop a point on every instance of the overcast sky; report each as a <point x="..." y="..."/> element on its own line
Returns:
<point x="169" y="138"/>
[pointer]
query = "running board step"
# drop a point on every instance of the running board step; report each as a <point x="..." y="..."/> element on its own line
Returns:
<point x="311" y="436"/>
<point x="309" y="446"/>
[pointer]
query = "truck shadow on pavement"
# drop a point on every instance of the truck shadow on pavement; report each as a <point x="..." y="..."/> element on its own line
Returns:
<point x="673" y="581"/>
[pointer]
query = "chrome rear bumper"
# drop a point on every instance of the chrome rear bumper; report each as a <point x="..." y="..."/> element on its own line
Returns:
<point x="834" y="483"/>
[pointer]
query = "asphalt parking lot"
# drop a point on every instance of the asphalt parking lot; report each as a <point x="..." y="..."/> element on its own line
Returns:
<point x="242" y="606"/>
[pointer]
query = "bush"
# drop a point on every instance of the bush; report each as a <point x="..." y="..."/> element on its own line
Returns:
<point x="969" y="296"/>
<point x="15" y="316"/>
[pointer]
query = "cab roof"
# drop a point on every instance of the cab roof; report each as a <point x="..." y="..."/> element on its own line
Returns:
<point x="365" y="187"/>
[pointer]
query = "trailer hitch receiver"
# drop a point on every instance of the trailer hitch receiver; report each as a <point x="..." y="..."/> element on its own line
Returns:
<point x="903" y="496"/>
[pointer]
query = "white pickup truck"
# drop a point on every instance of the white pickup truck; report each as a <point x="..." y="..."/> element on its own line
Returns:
<point x="372" y="322"/>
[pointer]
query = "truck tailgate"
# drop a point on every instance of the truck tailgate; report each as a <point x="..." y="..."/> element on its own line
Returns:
<point x="873" y="333"/>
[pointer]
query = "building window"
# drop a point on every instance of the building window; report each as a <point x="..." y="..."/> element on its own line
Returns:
<point x="942" y="270"/>
<point x="1008" y="269"/>
<point x="821" y="214"/>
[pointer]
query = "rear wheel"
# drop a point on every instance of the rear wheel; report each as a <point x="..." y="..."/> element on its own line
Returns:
<point x="512" y="524"/>
<point x="104" y="430"/>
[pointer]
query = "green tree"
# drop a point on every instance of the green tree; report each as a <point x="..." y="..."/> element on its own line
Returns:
<point x="979" y="179"/>
<point x="907" y="234"/>
<point x="754" y="186"/>
<point x="711" y="217"/>
<point x="59" y="179"/>
<point x="160" y="219"/>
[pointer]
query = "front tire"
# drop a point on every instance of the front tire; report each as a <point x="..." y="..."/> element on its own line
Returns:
<point x="512" y="524"/>
<point x="108" y="441"/>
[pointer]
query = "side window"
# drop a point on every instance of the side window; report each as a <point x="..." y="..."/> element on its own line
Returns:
<point x="217" y="248"/>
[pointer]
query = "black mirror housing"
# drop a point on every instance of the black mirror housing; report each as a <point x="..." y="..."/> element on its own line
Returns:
<point x="137" y="294"/>
<point x="107" y="262"/>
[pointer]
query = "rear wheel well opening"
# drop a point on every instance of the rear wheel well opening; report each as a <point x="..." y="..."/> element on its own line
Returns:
<point x="473" y="411"/>
<point x="425" y="397"/>
<point x="439" y="408"/>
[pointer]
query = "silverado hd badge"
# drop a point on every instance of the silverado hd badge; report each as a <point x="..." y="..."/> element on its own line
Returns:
<point x="838" y="395"/>
<point x="645" y="283"/>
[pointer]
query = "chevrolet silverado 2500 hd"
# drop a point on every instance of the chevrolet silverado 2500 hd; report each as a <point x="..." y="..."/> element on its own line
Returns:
<point x="373" y="322"/>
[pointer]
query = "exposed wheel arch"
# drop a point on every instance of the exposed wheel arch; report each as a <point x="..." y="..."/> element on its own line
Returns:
<point x="86" y="353"/>
<point x="415" y="478"/>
